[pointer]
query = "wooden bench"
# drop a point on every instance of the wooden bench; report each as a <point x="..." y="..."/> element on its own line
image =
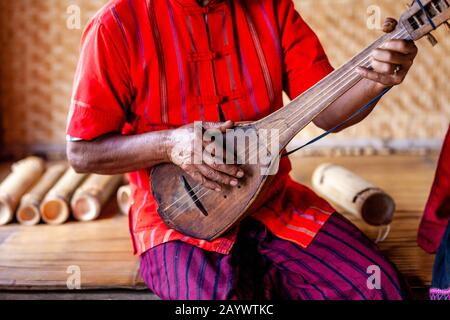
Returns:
<point x="39" y="258"/>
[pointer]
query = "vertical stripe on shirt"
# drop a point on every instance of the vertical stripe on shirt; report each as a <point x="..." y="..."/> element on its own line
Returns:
<point x="260" y="53"/>
<point x="144" y="60"/>
<point x="179" y="61"/>
<point x="120" y="24"/>
<point x="276" y="40"/>
<point x="139" y="34"/>
<point x="249" y="82"/>
<point x="230" y="69"/>
<point x="224" y="28"/>
<point x="152" y="237"/>
<point x="161" y="62"/>
<point x="138" y="211"/>
<point x="167" y="235"/>
<point x="196" y="73"/>
<point x="243" y="65"/>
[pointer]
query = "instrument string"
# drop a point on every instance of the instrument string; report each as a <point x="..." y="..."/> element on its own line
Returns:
<point x="198" y="195"/>
<point x="298" y="116"/>
<point x="345" y="77"/>
<point x="426" y="13"/>
<point x="199" y="186"/>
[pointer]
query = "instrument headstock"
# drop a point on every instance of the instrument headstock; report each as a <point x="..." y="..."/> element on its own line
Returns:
<point x="424" y="16"/>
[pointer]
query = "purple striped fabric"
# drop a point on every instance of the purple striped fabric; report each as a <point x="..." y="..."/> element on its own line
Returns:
<point x="264" y="267"/>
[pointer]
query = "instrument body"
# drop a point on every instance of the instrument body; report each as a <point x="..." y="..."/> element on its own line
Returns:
<point x="207" y="214"/>
<point x="196" y="212"/>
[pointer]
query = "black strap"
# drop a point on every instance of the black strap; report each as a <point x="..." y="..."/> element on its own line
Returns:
<point x="342" y="124"/>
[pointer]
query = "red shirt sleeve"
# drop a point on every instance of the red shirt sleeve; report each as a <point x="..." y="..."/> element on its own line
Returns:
<point x="102" y="86"/>
<point x="305" y="61"/>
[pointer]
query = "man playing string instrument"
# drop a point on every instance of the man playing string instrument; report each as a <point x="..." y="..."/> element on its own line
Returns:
<point x="151" y="68"/>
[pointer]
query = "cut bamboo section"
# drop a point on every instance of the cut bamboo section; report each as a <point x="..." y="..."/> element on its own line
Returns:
<point x="354" y="194"/>
<point x="28" y="213"/>
<point x="124" y="199"/>
<point x="55" y="207"/>
<point x="89" y="199"/>
<point x="24" y="174"/>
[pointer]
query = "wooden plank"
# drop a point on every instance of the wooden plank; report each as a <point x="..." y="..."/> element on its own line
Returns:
<point x="119" y="295"/>
<point x="39" y="257"/>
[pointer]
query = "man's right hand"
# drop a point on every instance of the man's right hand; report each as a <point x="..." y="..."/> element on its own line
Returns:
<point x="210" y="173"/>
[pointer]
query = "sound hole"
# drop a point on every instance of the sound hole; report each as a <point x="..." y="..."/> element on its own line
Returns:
<point x="193" y="196"/>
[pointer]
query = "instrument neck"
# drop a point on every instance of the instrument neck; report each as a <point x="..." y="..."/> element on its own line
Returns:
<point x="295" y="116"/>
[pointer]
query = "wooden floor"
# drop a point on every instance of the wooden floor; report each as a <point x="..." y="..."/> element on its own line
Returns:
<point x="38" y="258"/>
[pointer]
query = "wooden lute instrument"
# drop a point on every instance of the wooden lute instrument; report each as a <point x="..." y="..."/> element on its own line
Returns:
<point x="203" y="214"/>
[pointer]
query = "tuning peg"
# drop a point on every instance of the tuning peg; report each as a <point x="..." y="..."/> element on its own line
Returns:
<point x="389" y="25"/>
<point x="447" y="25"/>
<point x="433" y="41"/>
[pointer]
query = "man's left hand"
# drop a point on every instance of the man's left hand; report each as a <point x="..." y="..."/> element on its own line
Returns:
<point x="391" y="63"/>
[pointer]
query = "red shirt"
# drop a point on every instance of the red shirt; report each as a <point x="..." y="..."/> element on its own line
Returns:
<point x="150" y="65"/>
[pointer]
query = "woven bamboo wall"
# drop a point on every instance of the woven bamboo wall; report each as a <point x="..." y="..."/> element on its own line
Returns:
<point x="39" y="53"/>
<point x="37" y="60"/>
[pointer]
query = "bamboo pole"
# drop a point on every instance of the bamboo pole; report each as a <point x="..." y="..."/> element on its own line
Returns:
<point x="89" y="199"/>
<point x="28" y="213"/>
<point x="354" y="194"/>
<point x="24" y="174"/>
<point x="124" y="199"/>
<point x="55" y="207"/>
